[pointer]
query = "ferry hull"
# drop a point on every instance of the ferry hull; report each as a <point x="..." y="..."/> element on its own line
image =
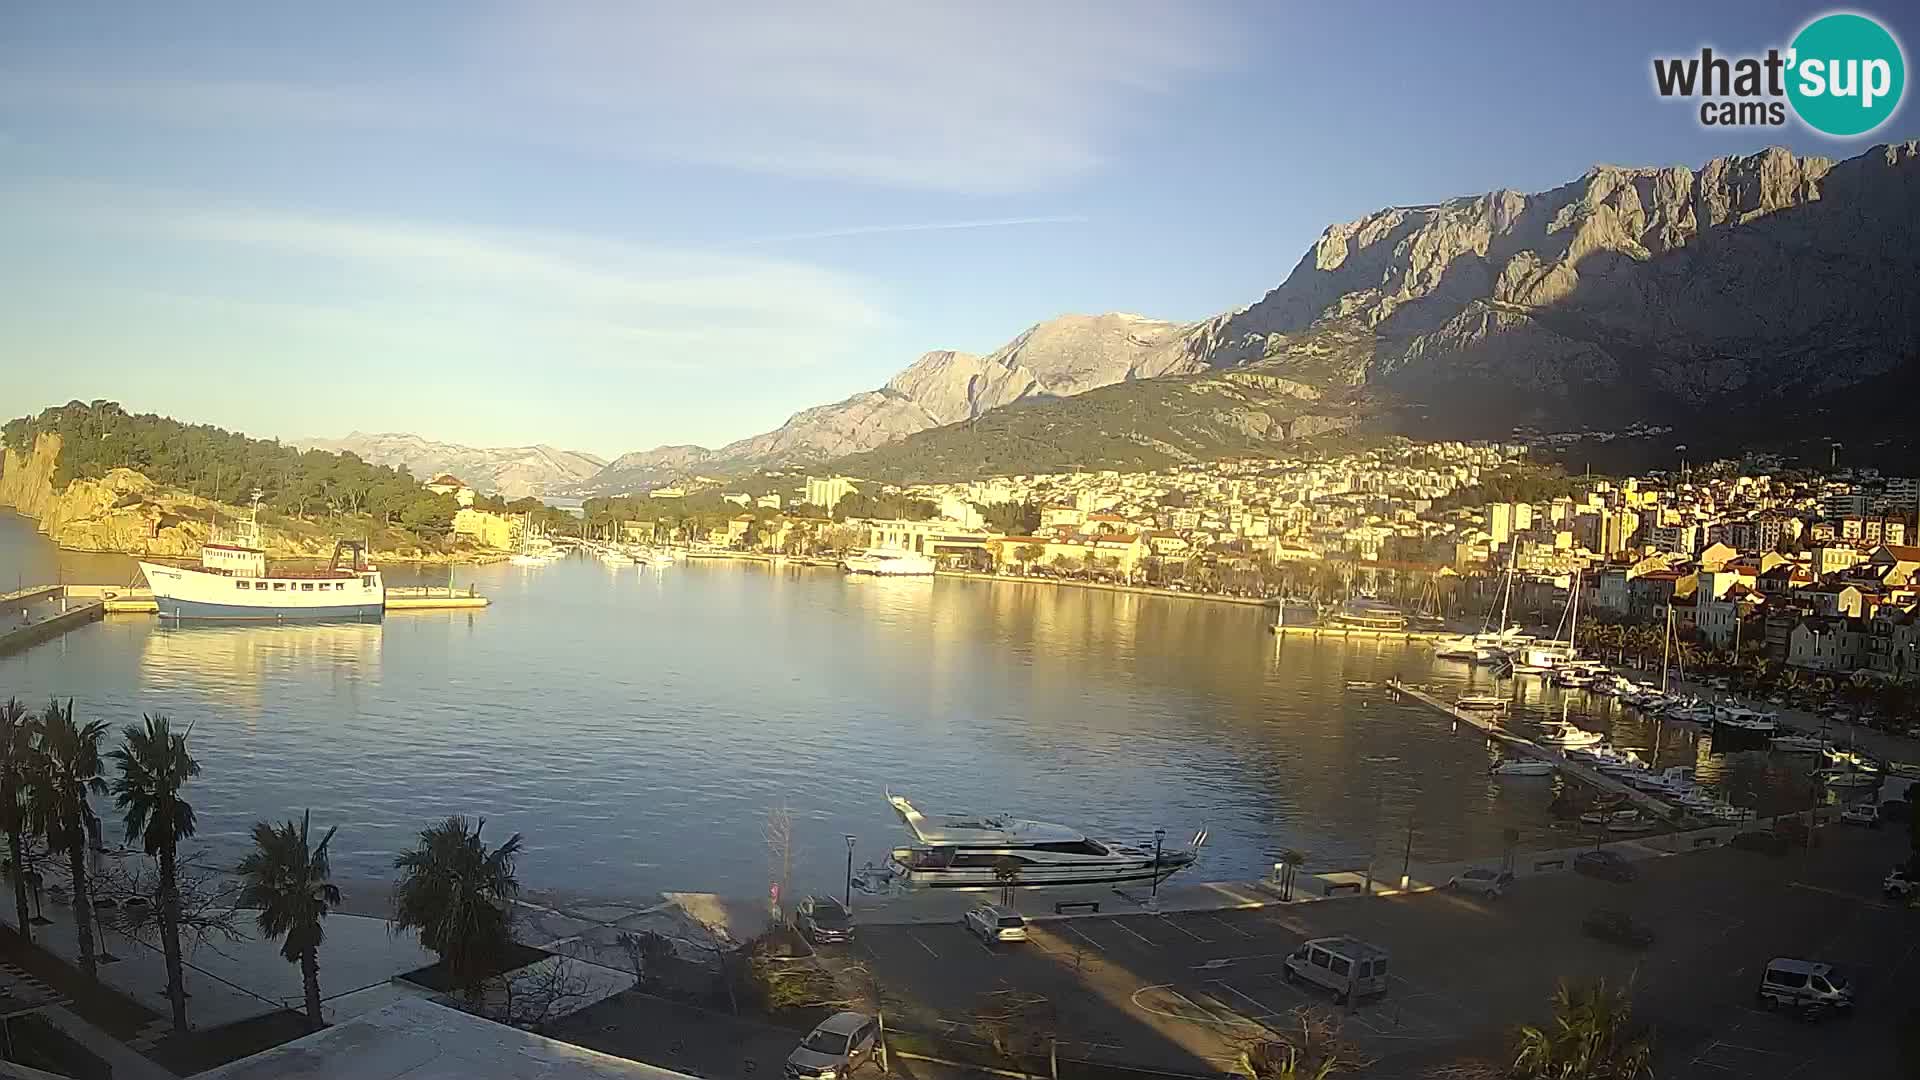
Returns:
<point x="173" y="608"/>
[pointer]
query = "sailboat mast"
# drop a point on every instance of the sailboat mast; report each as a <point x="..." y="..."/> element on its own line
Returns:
<point x="1666" y="648"/>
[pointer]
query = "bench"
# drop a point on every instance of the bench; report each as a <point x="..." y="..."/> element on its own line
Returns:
<point x="1061" y="907"/>
<point x="1549" y="864"/>
<point x="1705" y="841"/>
<point x="1336" y="886"/>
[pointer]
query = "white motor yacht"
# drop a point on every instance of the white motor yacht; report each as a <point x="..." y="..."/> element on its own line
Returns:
<point x="884" y="563"/>
<point x="969" y="851"/>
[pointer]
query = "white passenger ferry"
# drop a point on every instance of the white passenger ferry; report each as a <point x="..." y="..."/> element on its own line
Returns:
<point x="234" y="582"/>
<point x="968" y="851"/>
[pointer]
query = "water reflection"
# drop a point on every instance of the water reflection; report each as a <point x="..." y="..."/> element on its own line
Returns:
<point x="637" y="725"/>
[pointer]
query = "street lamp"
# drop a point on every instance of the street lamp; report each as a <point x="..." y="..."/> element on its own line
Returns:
<point x="1158" y="836"/>
<point x="850" y="839"/>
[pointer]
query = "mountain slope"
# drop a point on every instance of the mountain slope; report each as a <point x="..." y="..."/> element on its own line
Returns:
<point x="1062" y="356"/>
<point x="1745" y="288"/>
<point x="513" y="471"/>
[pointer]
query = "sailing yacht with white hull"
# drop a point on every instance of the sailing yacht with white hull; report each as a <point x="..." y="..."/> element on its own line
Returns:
<point x="967" y="851"/>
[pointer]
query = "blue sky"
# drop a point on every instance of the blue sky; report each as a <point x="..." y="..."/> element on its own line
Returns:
<point x="610" y="226"/>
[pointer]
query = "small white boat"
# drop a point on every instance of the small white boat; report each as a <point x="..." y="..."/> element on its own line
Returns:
<point x="883" y="563"/>
<point x="1481" y="703"/>
<point x="1798" y="744"/>
<point x="1634" y="824"/>
<point x="1523" y="767"/>
<point x="1848" y="778"/>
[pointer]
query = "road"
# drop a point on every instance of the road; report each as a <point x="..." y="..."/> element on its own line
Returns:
<point x="1181" y="992"/>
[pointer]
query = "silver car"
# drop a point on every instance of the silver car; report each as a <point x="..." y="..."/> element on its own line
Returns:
<point x="842" y="1043"/>
<point x="1479" y="879"/>
<point x="995" y="923"/>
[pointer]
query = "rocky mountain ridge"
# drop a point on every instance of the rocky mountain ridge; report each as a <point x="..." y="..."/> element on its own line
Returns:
<point x="1057" y="358"/>
<point x="1763" y="287"/>
<point x="512" y="471"/>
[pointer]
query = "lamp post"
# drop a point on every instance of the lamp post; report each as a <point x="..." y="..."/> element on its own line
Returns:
<point x="850" y="839"/>
<point x="1158" y="836"/>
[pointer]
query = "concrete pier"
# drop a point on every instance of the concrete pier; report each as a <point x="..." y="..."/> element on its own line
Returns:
<point x="1283" y="630"/>
<point x="1515" y="746"/>
<point x="30" y="616"/>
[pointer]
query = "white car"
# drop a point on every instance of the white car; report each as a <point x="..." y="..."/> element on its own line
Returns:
<point x="995" y="923"/>
<point x="1479" y="879"/>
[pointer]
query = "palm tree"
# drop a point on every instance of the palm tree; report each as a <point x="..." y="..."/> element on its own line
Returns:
<point x="288" y="879"/>
<point x="1592" y="1038"/>
<point x="456" y="894"/>
<point x="68" y="773"/>
<point x="1292" y="859"/>
<point x="154" y="765"/>
<point x="1006" y="871"/>
<point x="17" y="763"/>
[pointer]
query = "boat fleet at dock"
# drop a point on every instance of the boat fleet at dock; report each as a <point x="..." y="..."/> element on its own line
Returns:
<point x="541" y="552"/>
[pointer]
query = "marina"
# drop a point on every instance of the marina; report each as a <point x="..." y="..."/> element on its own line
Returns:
<point x="603" y="708"/>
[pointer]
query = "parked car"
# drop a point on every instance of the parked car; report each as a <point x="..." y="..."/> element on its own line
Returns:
<point x="1481" y="880"/>
<point x="842" y="1043"/>
<point x="1867" y="814"/>
<point x="1803" y="984"/>
<point x="1349" y="967"/>
<point x="824" y="919"/>
<point x="1605" y="865"/>
<point x="1616" y="928"/>
<point x="995" y="923"/>
<point x="1764" y="841"/>
<point x="1898" y="884"/>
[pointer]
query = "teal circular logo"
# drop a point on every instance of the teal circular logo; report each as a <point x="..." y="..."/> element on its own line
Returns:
<point x="1847" y="74"/>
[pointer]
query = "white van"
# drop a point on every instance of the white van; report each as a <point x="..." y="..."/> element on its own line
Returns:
<point x="1803" y="984"/>
<point x="1349" y="967"/>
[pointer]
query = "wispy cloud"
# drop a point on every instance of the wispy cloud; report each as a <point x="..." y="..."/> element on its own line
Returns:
<point x="643" y="306"/>
<point x="980" y="98"/>
<point x="925" y="226"/>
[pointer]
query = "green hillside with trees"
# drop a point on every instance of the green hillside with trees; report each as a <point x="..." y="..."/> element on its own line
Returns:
<point x="227" y="466"/>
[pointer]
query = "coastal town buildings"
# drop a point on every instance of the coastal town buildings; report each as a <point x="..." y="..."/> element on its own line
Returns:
<point x="1807" y="570"/>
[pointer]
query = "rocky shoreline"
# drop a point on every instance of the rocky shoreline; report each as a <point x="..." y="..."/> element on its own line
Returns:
<point x="125" y="513"/>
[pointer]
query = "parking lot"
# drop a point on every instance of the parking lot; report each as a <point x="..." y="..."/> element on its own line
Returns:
<point x="1182" y="991"/>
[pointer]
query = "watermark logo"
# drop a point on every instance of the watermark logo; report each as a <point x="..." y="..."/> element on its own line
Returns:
<point x="1843" y="75"/>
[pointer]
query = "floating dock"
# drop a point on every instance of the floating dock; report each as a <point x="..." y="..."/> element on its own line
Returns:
<point x="1516" y="746"/>
<point x="432" y="598"/>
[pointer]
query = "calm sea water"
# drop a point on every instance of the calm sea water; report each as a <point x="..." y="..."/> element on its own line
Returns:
<point x="638" y="726"/>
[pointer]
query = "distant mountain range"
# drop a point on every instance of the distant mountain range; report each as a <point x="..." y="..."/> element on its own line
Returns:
<point x="513" y="471"/>
<point x="1745" y="303"/>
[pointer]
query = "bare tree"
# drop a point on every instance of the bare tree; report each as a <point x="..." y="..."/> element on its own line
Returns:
<point x="1310" y="1048"/>
<point x="534" y="996"/>
<point x="1020" y="1026"/>
<point x="647" y="953"/>
<point x="206" y="898"/>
